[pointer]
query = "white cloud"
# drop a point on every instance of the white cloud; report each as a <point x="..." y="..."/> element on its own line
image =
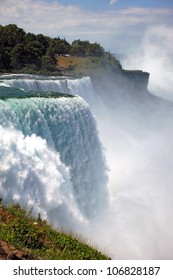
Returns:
<point x="112" y="2"/>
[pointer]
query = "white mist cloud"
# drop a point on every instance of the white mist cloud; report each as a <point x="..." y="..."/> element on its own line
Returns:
<point x="155" y="55"/>
<point x="138" y="144"/>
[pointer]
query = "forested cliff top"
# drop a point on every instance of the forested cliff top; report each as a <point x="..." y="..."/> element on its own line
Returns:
<point x="29" y="53"/>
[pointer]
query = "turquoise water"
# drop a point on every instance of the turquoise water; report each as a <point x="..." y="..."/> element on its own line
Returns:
<point x="55" y="146"/>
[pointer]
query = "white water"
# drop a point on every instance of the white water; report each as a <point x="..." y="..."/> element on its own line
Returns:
<point x="138" y="221"/>
<point x="36" y="131"/>
<point x="38" y="85"/>
<point x="74" y="86"/>
<point x="33" y="175"/>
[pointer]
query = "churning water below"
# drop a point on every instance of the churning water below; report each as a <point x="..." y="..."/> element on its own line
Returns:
<point x="52" y="158"/>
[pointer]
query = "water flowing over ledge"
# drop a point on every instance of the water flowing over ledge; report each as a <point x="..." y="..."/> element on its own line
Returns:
<point x="51" y="154"/>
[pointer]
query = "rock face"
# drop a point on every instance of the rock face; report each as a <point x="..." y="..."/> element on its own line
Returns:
<point x="9" y="252"/>
<point x="122" y="85"/>
<point x="137" y="80"/>
<point x="128" y="90"/>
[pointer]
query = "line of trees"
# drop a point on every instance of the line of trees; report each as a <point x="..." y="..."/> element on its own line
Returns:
<point x="20" y="50"/>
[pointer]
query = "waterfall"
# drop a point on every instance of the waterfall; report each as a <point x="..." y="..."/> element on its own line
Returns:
<point x="51" y="155"/>
<point x="52" y="159"/>
<point x="81" y="86"/>
<point x="38" y="85"/>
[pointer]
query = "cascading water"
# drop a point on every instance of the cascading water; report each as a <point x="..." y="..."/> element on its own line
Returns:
<point x="33" y="175"/>
<point x="38" y="85"/>
<point x="51" y="158"/>
<point x="49" y="150"/>
<point x="82" y="86"/>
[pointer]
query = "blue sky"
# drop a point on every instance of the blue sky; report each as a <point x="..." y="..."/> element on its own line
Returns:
<point x="118" y="25"/>
<point x="116" y="4"/>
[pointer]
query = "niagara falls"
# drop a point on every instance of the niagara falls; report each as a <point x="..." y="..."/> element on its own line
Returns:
<point x="87" y="167"/>
<point x="86" y="129"/>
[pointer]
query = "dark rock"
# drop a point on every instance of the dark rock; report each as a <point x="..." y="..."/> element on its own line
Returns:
<point x="9" y="252"/>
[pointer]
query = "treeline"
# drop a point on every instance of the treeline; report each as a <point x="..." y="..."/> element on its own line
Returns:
<point x="21" y="51"/>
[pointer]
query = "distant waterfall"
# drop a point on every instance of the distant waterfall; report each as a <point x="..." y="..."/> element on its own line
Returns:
<point x="38" y="85"/>
<point x="81" y="86"/>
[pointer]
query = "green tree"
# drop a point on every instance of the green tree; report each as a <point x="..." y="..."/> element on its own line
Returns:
<point x="77" y="48"/>
<point x="5" y="59"/>
<point x="12" y="35"/>
<point x="18" y="56"/>
<point x="47" y="63"/>
<point x="85" y="48"/>
<point x="33" y="50"/>
<point x="21" y="50"/>
<point x="95" y="50"/>
<point x="61" y="46"/>
<point x="43" y="43"/>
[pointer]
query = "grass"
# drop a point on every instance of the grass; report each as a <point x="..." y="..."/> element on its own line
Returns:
<point x="36" y="238"/>
<point x="78" y="66"/>
<point x="66" y="62"/>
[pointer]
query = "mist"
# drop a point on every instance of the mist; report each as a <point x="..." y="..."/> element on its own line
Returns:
<point x="138" y="223"/>
<point x="137" y="138"/>
<point x="155" y="55"/>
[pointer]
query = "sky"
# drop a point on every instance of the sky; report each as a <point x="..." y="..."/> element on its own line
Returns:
<point x="118" y="25"/>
